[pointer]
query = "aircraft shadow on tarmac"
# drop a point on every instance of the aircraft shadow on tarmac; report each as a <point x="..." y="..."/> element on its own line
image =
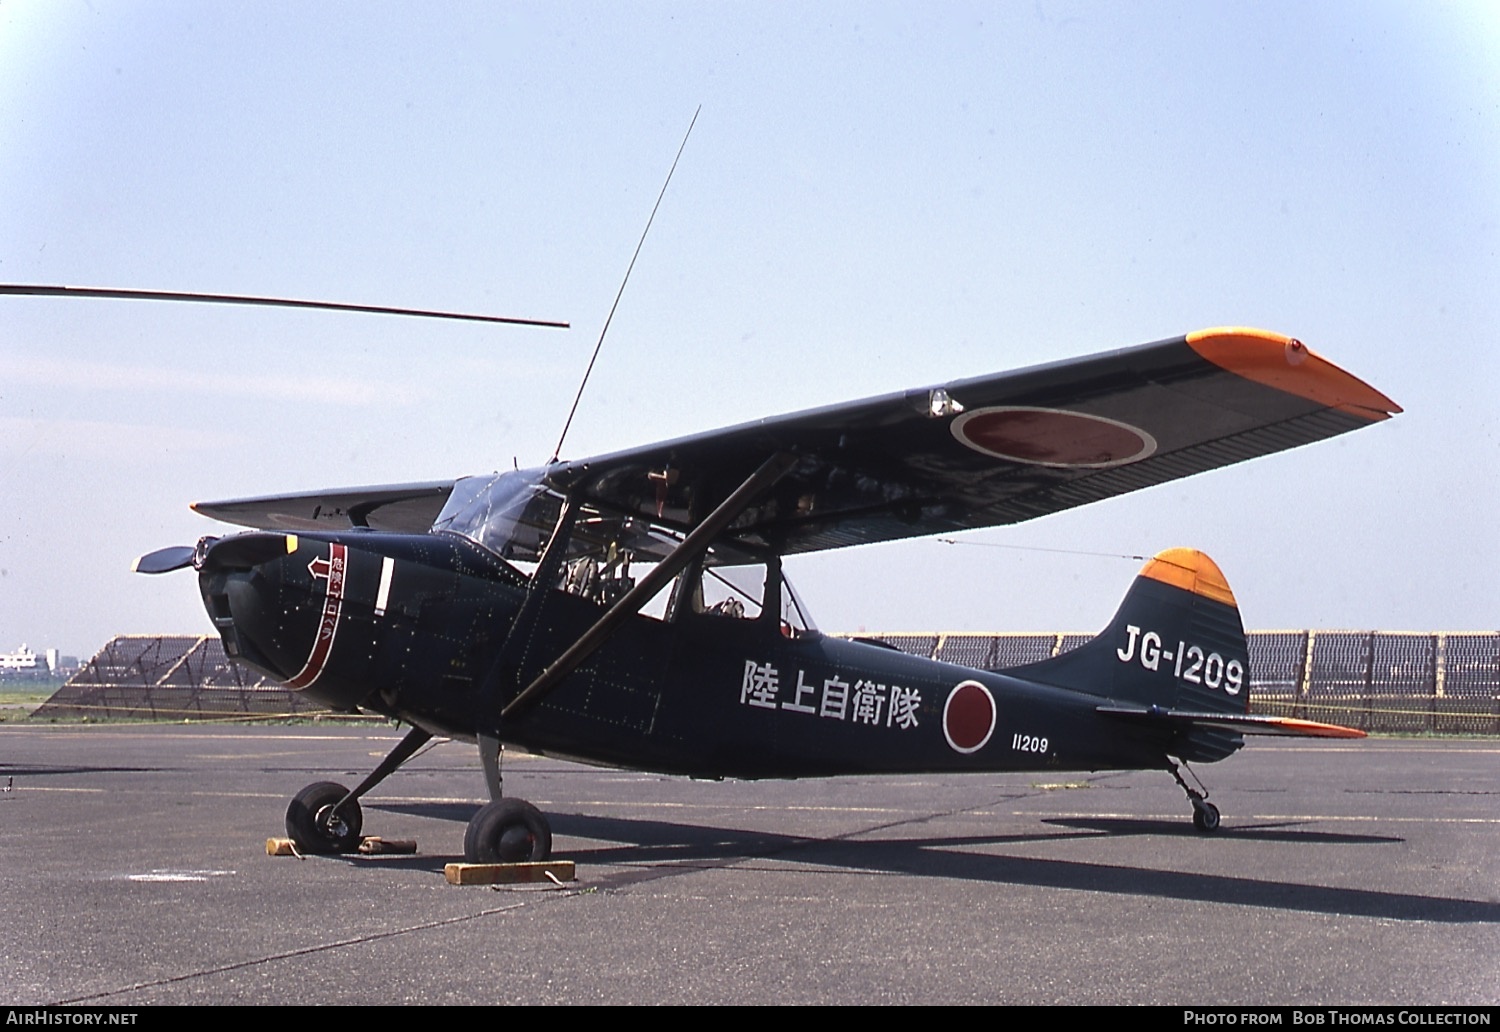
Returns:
<point x="1278" y="831"/>
<point x="653" y="849"/>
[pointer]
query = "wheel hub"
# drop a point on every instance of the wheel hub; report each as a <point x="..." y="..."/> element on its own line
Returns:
<point x="332" y="824"/>
<point x="516" y="844"/>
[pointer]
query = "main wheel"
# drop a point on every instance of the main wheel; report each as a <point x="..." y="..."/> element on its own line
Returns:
<point x="1206" y="817"/>
<point x="313" y="826"/>
<point x="507" y="831"/>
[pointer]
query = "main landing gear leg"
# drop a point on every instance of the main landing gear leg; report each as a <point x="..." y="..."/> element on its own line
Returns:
<point x="325" y="817"/>
<point x="1205" y="814"/>
<point x="504" y="831"/>
<point x="490" y="757"/>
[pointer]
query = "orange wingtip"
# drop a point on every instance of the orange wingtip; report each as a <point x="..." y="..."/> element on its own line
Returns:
<point x="1316" y="730"/>
<point x="1190" y="570"/>
<point x="1287" y="364"/>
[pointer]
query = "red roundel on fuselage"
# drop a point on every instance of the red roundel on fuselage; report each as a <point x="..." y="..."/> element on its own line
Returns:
<point x="969" y="716"/>
<point x="1052" y="437"/>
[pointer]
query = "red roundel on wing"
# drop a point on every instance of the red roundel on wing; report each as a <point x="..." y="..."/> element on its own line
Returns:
<point x="1052" y="437"/>
<point x="969" y="716"/>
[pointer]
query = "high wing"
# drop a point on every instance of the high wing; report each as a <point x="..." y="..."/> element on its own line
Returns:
<point x="406" y="508"/>
<point x="971" y="453"/>
<point x="996" y="449"/>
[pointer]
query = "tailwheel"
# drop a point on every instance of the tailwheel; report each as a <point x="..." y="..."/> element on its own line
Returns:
<point x="1205" y="816"/>
<point x="507" y="831"/>
<point x="313" y="824"/>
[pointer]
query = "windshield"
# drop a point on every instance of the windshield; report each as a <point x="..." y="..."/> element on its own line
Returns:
<point x="514" y="515"/>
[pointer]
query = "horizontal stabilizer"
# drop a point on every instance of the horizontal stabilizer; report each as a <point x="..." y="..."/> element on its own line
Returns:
<point x="1239" y="723"/>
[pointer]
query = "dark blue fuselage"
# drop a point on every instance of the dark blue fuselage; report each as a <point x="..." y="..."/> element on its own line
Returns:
<point x="436" y="631"/>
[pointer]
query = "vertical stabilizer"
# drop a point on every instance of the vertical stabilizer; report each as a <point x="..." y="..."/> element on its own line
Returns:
<point x="1176" y="642"/>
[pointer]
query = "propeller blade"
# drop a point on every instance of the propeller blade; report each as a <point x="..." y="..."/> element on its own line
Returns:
<point x="275" y="302"/>
<point x="165" y="560"/>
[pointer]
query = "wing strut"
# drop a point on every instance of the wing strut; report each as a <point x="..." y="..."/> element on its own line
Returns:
<point x="693" y="546"/>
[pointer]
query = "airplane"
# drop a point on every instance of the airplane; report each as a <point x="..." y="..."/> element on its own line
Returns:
<point x="630" y="609"/>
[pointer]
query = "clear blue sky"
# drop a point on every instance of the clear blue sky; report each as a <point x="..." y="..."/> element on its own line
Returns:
<point x="877" y="196"/>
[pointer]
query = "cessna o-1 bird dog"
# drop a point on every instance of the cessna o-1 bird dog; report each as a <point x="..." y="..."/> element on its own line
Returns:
<point x="630" y="609"/>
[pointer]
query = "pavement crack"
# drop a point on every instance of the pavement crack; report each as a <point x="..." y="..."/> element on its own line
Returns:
<point x="303" y="951"/>
<point x="1420" y="791"/>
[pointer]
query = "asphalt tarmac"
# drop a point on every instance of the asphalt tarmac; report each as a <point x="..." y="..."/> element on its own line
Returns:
<point x="133" y="871"/>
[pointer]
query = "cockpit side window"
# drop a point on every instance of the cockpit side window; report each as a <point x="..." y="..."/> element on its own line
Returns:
<point x="514" y="515"/>
<point x="602" y="576"/>
<point x="796" y="622"/>
<point x="728" y="592"/>
<point x="749" y="591"/>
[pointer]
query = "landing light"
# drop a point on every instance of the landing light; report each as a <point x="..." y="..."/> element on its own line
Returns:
<point x="939" y="404"/>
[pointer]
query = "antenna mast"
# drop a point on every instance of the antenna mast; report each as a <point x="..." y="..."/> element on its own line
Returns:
<point x="641" y="243"/>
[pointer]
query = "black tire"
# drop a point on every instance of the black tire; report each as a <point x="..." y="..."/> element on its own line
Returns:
<point x="312" y="827"/>
<point x="1206" y="818"/>
<point x="507" y="831"/>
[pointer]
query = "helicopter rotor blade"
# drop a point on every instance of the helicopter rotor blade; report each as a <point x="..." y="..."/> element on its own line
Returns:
<point x="273" y="302"/>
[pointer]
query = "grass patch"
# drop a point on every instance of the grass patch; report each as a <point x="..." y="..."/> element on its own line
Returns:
<point x="16" y="706"/>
